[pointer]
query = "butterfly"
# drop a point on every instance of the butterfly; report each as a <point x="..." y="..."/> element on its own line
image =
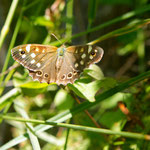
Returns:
<point x="52" y="64"/>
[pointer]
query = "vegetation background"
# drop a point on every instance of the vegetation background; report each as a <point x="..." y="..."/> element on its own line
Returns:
<point x="108" y="107"/>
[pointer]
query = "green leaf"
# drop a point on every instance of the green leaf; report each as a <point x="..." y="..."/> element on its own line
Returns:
<point x="84" y="87"/>
<point x="112" y="101"/>
<point x="86" y="90"/>
<point x="112" y="118"/>
<point x="94" y="71"/>
<point x="33" y="88"/>
<point x="108" y="83"/>
<point x="19" y="79"/>
<point x="42" y="21"/>
<point x="63" y="100"/>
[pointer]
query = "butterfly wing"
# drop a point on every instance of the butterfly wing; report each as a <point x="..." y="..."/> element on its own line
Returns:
<point x="39" y="59"/>
<point x="76" y="59"/>
<point x="46" y="65"/>
<point x="86" y="55"/>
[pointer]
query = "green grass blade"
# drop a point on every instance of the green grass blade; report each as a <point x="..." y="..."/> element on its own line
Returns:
<point x="108" y="23"/>
<point x="122" y="31"/>
<point x="83" y="128"/>
<point x="32" y="136"/>
<point x="69" y="15"/>
<point x="9" y="96"/>
<point x="92" y="6"/>
<point x="8" y="21"/>
<point x="14" y="142"/>
<point x="67" y="136"/>
<point x="11" y="46"/>
<point x="50" y="139"/>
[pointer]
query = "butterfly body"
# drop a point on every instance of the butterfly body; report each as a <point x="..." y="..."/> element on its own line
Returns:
<point x="52" y="64"/>
<point x="61" y="51"/>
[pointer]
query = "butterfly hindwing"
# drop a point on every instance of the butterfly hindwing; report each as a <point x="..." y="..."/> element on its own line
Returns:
<point x="68" y="73"/>
<point x="47" y="73"/>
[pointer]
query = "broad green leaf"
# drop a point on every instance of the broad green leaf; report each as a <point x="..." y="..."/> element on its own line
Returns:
<point x="95" y="72"/>
<point x="88" y="90"/>
<point x="108" y="83"/>
<point x="33" y="88"/>
<point x="19" y="79"/>
<point x="42" y="21"/>
<point x="63" y="100"/>
<point x="28" y="86"/>
<point x="112" y="118"/>
<point x="112" y="101"/>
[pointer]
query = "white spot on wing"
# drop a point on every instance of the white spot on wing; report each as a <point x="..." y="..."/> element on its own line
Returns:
<point x="91" y="57"/>
<point x="28" y="48"/>
<point x="38" y="64"/>
<point x="37" y="49"/>
<point x="83" y="56"/>
<point x="33" y="61"/>
<point x="82" y="62"/>
<point x="43" y="51"/>
<point x="76" y="51"/>
<point x="89" y="48"/>
<point x="76" y="65"/>
<point x="23" y="56"/>
<point x="33" y="55"/>
<point x="82" y="50"/>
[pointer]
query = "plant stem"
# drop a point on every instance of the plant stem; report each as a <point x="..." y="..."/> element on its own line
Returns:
<point x="8" y="21"/>
<point x="79" y="127"/>
<point x="11" y="46"/>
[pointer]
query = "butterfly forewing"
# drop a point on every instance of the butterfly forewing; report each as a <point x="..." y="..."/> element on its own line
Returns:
<point x="33" y="56"/>
<point x="85" y="55"/>
<point x="38" y="59"/>
<point x="51" y="64"/>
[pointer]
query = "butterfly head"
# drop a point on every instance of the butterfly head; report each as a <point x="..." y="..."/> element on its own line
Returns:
<point x="61" y="51"/>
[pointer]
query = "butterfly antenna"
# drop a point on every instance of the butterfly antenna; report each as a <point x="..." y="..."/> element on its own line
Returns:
<point x="56" y="38"/>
